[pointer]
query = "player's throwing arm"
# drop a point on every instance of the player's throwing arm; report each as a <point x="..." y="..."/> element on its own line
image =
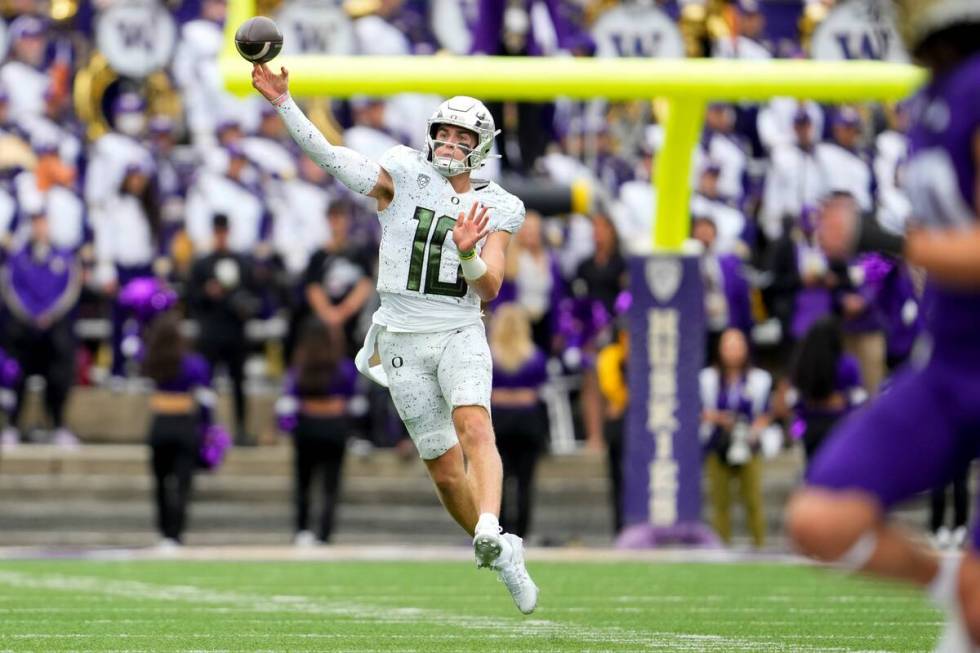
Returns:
<point x="354" y="170"/>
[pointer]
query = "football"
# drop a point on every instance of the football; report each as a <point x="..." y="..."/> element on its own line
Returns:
<point x="258" y="40"/>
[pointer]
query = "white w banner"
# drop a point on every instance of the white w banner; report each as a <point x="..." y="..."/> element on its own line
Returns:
<point x="859" y="29"/>
<point x="136" y="36"/>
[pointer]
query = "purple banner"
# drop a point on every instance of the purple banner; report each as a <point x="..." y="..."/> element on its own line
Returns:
<point x="662" y="453"/>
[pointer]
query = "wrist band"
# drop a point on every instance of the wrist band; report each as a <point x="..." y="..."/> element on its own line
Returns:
<point x="279" y="101"/>
<point x="466" y="256"/>
<point x="473" y="267"/>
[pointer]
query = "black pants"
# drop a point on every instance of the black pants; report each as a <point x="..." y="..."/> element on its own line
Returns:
<point x="961" y="506"/>
<point x="319" y="444"/>
<point x="50" y="354"/>
<point x="174" y="441"/>
<point x="231" y="352"/>
<point x="818" y="427"/>
<point x="612" y="431"/>
<point x="520" y="434"/>
<point x="533" y="134"/>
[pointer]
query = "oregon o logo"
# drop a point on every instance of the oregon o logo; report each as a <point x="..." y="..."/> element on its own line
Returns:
<point x="397" y="362"/>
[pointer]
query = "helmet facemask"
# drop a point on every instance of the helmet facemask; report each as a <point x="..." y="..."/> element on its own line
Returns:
<point x="450" y="165"/>
<point x="465" y="113"/>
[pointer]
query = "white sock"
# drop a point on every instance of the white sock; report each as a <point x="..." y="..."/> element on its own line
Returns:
<point x="942" y="588"/>
<point x="488" y="521"/>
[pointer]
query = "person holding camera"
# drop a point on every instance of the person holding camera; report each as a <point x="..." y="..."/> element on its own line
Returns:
<point x="735" y="414"/>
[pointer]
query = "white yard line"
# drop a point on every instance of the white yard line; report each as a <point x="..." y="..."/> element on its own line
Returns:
<point x="400" y="553"/>
<point x="516" y="627"/>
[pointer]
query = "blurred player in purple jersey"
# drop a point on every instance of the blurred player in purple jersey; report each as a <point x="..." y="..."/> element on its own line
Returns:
<point x="927" y="424"/>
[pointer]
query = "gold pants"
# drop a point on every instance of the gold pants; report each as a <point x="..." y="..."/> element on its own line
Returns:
<point x="870" y="350"/>
<point x="720" y="476"/>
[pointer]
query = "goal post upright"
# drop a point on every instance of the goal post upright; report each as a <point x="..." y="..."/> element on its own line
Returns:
<point x="662" y="495"/>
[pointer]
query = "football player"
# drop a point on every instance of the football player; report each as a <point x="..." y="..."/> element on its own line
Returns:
<point x="443" y="238"/>
<point x="927" y="424"/>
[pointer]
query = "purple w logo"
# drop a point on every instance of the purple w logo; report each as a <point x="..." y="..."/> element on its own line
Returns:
<point x="312" y="38"/>
<point x="135" y="35"/>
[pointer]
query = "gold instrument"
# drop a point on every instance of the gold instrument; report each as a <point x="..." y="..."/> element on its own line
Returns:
<point x="97" y="76"/>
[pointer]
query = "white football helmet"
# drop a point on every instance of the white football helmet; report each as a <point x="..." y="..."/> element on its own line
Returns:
<point x="468" y="113"/>
<point x="919" y="19"/>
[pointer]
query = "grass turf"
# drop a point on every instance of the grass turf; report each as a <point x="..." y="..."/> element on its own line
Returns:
<point x="71" y="605"/>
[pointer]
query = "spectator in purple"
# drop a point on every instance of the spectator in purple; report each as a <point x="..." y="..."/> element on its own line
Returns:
<point x="532" y="279"/>
<point x="172" y="177"/>
<point x="314" y="408"/>
<point x="864" y="335"/>
<point x="803" y="280"/>
<point x="127" y="234"/>
<point x="50" y="187"/>
<point x="181" y="408"/>
<point x="24" y="74"/>
<point x="721" y="145"/>
<point x="726" y="292"/>
<point x="10" y="374"/>
<point x="519" y="419"/>
<point x="735" y="412"/>
<point x="826" y="384"/>
<point x="899" y="304"/>
<point x="601" y="277"/>
<point x="40" y="285"/>
<point x="844" y="163"/>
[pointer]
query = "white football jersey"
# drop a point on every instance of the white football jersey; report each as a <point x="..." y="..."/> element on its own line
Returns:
<point x="419" y="278"/>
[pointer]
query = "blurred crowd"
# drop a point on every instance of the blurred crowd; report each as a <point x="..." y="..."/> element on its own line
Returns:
<point x="110" y="176"/>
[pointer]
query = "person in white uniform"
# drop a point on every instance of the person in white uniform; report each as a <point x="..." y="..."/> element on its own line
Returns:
<point x="443" y="240"/>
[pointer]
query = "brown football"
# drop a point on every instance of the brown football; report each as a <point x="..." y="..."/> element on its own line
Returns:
<point x="258" y="40"/>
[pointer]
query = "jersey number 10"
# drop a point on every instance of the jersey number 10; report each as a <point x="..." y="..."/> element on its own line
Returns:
<point x="433" y="255"/>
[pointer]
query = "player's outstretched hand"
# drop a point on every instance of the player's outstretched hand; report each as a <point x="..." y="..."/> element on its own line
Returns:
<point x="269" y="84"/>
<point x="471" y="228"/>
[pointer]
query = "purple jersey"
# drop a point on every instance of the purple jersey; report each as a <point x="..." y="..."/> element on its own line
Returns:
<point x="531" y="374"/>
<point x="195" y="378"/>
<point x="41" y="281"/>
<point x="194" y="373"/>
<point x="940" y="179"/>
<point x="342" y="384"/>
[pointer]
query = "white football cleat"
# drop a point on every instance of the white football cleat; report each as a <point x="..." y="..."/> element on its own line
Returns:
<point x="513" y="574"/>
<point x="488" y="543"/>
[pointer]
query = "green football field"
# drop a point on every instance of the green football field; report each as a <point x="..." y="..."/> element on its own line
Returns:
<point x="77" y="605"/>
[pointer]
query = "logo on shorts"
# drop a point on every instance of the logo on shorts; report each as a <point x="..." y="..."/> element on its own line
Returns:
<point x="397" y="362"/>
<point x="423" y="181"/>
